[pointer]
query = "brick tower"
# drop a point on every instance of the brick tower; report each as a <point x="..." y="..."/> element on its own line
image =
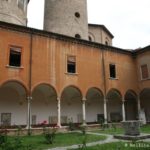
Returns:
<point x="14" y="11"/>
<point x="68" y="17"/>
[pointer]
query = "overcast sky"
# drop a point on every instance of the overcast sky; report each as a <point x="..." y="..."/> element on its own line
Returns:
<point x="127" y="20"/>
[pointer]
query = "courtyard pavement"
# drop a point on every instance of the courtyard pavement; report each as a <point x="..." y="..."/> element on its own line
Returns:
<point x="109" y="139"/>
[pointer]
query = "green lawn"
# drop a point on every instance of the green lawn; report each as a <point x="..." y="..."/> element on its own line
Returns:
<point x="144" y="129"/>
<point x="119" y="146"/>
<point x="62" y="139"/>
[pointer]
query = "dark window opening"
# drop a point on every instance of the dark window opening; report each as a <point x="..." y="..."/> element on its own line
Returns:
<point x="112" y="70"/>
<point x="90" y="39"/>
<point x="106" y="43"/>
<point x="144" y="71"/>
<point x="78" y="36"/>
<point x="21" y="4"/>
<point x="77" y="14"/>
<point x="71" y="64"/>
<point x="15" y="57"/>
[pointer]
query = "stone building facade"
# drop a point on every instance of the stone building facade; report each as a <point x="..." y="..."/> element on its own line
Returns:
<point x="14" y="11"/>
<point x="52" y="77"/>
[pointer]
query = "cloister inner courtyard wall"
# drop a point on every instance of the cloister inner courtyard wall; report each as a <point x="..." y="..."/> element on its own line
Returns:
<point x="42" y="89"/>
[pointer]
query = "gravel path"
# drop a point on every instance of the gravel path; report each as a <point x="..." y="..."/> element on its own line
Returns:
<point x="108" y="140"/>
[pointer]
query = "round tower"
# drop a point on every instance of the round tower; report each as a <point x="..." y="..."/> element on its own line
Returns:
<point x="14" y="11"/>
<point x="68" y="17"/>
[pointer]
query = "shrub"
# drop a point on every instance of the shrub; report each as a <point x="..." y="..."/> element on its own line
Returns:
<point x="49" y="135"/>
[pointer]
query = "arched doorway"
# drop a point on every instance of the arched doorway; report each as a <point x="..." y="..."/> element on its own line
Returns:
<point x="71" y="105"/>
<point x="131" y="105"/>
<point x="94" y="105"/>
<point x="13" y="104"/>
<point x="114" y="105"/>
<point x="145" y="103"/>
<point x="44" y="105"/>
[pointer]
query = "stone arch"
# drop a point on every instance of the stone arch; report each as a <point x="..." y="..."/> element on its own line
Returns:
<point x="114" y="105"/>
<point x="94" y="105"/>
<point x="71" y="105"/>
<point x="13" y="103"/>
<point x="131" y="109"/>
<point x="145" y="103"/>
<point x="44" y="98"/>
<point x="91" y="37"/>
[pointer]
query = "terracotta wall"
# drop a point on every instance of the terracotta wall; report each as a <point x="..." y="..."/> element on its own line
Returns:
<point x="49" y="64"/>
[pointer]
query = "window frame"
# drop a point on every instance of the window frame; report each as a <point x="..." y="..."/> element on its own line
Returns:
<point x="24" y="5"/>
<point x="141" y="72"/>
<point x="15" y="48"/>
<point x="67" y="56"/>
<point x="112" y="64"/>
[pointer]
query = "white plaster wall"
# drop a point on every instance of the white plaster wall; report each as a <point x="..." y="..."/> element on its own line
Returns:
<point x="71" y="109"/>
<point x="42" y="107"/>
<point x="131" y="110"/>
<point x="9" y="103"/>
<point x="114" y="106"/>
<point x="92" y="109"/>
<point x="146" y="106"/>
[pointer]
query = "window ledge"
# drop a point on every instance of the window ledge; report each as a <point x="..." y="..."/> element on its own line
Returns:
<point x="14" y="67"/>
<point x="145" y="79"/>
<point x="113" y="78"/>
<point x="74" y="74"/>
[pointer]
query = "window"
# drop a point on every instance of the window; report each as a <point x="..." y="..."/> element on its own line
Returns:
<point x="22" y="4"/>
<point x="144" y="71"/>
<point x="15" y="57"/>
<point x="71" y="64"/>
<point x="78" y="36"/>
<point x="6" y="119"/>
<point x="112" y="70"/>
<point x="77" y="14"/>
<point x="90" y="39"/>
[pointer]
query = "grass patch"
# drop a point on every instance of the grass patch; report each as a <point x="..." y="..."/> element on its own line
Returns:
<point x="112" y="131"/>
<point x="62" y="139"/>
<point x="120" y="146"/>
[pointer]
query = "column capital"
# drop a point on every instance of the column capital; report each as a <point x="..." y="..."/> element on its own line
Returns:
<point x="58" y="98"/>
<point x="84" y="99"/>
<point x="105" y="100"/>
<point x="123" y="100"/>
<point x="29" y="97"/>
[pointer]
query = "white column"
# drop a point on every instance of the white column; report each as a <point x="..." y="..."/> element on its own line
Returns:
<point x="58" y="113"/>
<point x="123" y="111"/>
<point x="105" y="111"/>
<point x="84" y="111"/>
<point x="29" y="98"/>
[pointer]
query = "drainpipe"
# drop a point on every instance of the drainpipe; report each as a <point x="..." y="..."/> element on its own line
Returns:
<point x="29" y="98"/>
<point x="104" y="79"/>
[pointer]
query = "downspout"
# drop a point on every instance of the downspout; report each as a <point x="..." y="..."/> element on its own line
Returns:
<point x="104" y="79"/>
<point x="29" y="98"/>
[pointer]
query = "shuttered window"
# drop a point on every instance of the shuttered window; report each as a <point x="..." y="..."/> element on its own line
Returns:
<point x="144" y="71"/>
<point x="71" y="64"/>
<point x="15" y="57"/>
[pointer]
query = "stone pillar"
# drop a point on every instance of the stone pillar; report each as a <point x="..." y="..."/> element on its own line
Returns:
<point x="123" y="111"/>
<point x="29" y="98"/>
<point x="139" y="108"/>
<point x="58" y="113"/>
<point x="83" y="111"/>
<point x="105" y="111"/>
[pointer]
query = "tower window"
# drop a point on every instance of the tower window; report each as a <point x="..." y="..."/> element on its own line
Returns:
<point x="71" y="64"/>
<point x="78" y="36"/>
<point x="112" y="70"/>
<point x="22" y="4"/>
<point x="144" y="71"/>
<point x="77" y="14"/>
<point x="15" y="57"/>
<point x="90" y="39"/>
